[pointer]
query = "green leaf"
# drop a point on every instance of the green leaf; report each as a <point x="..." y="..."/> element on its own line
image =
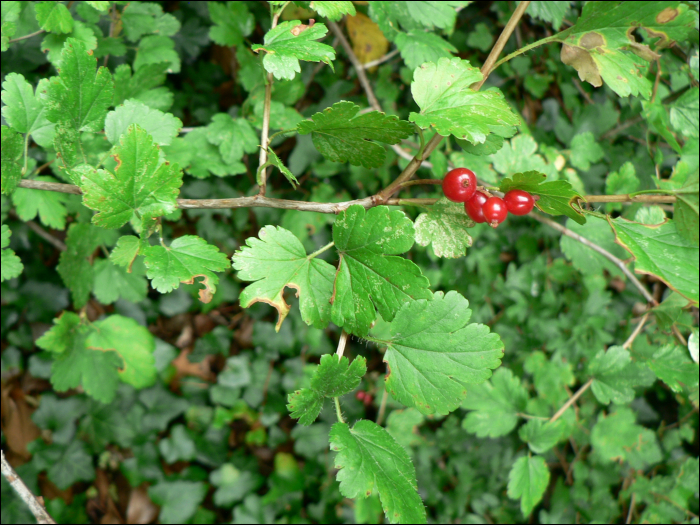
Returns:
<point x="62" y="336"/>
<point x="369" y="459"/>
<point x="232" y="484"/>
<point x="585" y="150"/>
<point x="617" y="437"/>
<point x="418" y="47"/>
<point x="277" y="260"/>
<point x="73" y="265"/>
<point x="232" y="22"/>
<point x="10" y="15"/>
<point x="686" y="209"/>
<point x="233" y="136"/>
<point x="54" y="17"/>
<point x="156" y="49"/>
<point x="433" y="14"/>
<point x="187" y="258"/>
<point x="550" y="11"/>
<point x="495" y="405"/>
<point x="614" y="376"/>
<point x="527" y="481"/>
<point x="369" y="273"/>
<point x="555" y="197"/>
<point x="132" y="342"/>
<point x="283" y="169"/>
<point x="669" y="311"/>
<point x="290" y="42"/>
<point x="684" y="113"/>
<point x="162" y="127"/>
<point x="24" y="112"/>
<point x="141" y="185"/>
<point x="333" y="378"/>
<point x="12" y="149"/>
<point x="48" y="205"/>
<point x="340" y="135"/>
<point x="403" y="426"/>
<point x="333" y="10"/>
<point x="540" y="435"/>
<point x="78" y="95"/>
<point x="10" y="265"/>
<point x="446" y="225"/>
<point x="178" y="500"/>
<point x="551" y="375"/>
<point x="585" y="260"/>
<point x="601" y="45"/>
<point x="178" y="446"/>
<point x="673" y="366"/>
<point x="432" y="353"/>
<point x="621" y="182"/>
<point x="443" y="93"/>
<point x="64" y="465"/>
<point x="661" y="251"/>
<point x="138" y="19"/>
<point x="112" y="282"/>
<point x="656" y="115"/>
<point x="126" y="251"/>
<point x="139" y="85"/>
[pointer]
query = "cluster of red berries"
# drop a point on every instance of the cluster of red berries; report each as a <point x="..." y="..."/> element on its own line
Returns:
<point x="365" y="397"/>
<point x="459" y="185"/>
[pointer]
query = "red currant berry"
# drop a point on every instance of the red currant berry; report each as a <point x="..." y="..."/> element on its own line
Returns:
<point x="474" y="207"/>
<point x="459" y="185"/>
<point x="519" y="202"/>
<point x="368" y="400"/>
<point x="495" y="211"/>
<point x="360" y="395"/>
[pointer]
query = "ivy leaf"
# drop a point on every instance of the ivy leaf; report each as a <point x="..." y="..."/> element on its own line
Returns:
<point x="232" y="22"/>
<point x="686" y="209"/>
<point x="614" y="376"/>
<point x="432" y="353"/>
<point x="446" y="101"/>
<point x="495" y="405"/>
<point x="290" y="42"/>
<point x="340" y="135"/>
<point x="333" y="378"/>
<point x="283" y="169"/>
<point x="132" y="342"/>
<point x="24" y="112"/>
<point x="186" y="258"/>
<point x="73" y="265"/>
<point x="673" y="366"/>
<point x="418" y="47"/>
<point x="277" y="260"/>
<point x="555" y="197"/>
<point x="446" y="225"/>
<point x="333" y="10"/>
<point x="141" y="185"/>
<point x="233" y="136"/>
<point x="78" y="95"/>
<point x="64" y="464"/>
<point x="527" y="481"/>
<point x="369" y="459"/>
<point x="162" y="127"/>
<point x="232" y="484"/>
<point x="12" y="149"/>
<point x="178" y="500"/>
<point x="368" y="273"/>
<point x="54" y="17"/>
<point x="11" y="265"/>
<point x="661" y="251"/>
<point x="601" y="45"/>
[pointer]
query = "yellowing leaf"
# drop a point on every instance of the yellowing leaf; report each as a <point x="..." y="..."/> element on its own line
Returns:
<point x="368" y="41"/>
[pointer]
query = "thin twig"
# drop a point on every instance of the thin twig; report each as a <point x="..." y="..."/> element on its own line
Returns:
<point x="571" y="400"/>
<point x="636" y="332"/>
<point x="24" y="493"/>
<point x="631" y="509"/>
<point x="381" y="60"/>
<point x="341" y="344"/>
<point x="30" y="35"/>
<point x="41" y="232"/>
<point x="382" y="408"/>
<point x="609" y="256"/>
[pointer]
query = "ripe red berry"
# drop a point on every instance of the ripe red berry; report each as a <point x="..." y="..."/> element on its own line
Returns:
<point x="459" y="185"/>
<point x="368" y="400"/>
<point x="474" y="207"/>
<point x="495" y="211"/>
<point x="360" y="395"/>
<point x="519" y="202"/>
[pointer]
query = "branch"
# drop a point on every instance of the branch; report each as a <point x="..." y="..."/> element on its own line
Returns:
<point x="381" y="60"/>
<point x="24" y="493"/>
<point x="609" y="256"/>
<point x="627" y="198"/>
